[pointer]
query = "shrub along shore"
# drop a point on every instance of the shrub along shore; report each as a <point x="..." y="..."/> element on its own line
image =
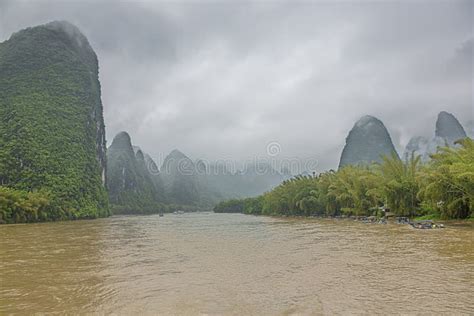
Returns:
<point x="441" y="189"/>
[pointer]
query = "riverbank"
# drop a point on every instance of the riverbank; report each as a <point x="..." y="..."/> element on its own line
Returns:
<point x="468" y="223"/>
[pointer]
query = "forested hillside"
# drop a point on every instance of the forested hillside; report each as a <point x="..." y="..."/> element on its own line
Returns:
<point x="131" y="187"/>
<point x="52" y="137"/>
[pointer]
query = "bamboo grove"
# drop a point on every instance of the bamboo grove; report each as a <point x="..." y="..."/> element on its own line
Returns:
<point x="442" y="188"/>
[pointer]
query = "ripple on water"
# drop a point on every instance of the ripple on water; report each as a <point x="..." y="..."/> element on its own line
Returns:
<point x="208" y="263"/>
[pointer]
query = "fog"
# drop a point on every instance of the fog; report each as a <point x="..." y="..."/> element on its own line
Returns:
<point x="222" y="80"/>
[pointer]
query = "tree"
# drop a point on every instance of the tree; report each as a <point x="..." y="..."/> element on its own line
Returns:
<point x="353" y="189"/>
<point x="448" y="181"/>
<point x="399" y="184"/>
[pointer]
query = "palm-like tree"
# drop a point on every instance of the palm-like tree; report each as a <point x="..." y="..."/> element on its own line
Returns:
<point x="351" y="188"/>
<point x="449" y="180"/>
<point x="399" y="184"/>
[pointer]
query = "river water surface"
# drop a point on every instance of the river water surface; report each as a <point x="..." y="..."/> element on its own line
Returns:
<point x="232" y="264"/>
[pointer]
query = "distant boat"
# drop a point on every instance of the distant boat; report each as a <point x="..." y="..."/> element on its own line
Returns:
<point x="161" y="214"/>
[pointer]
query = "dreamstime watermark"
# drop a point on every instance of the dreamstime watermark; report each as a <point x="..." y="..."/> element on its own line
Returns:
<point x="273" y="149"/>
<point x="270" y="164"/>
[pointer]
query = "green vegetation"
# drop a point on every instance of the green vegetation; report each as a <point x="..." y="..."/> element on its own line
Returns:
<point x="52" y="135"/>
<point x="154" y="209"/>
<point x="131" y="188"/>
<point x="246" y="206"/>
<point x="180" y="179"/>
<point x="136" y="187"/>
<point x="447" y="184"/>
<point x="443" y="188"/>
<point x="21" y="206"/>
<point x="427" y="217"/>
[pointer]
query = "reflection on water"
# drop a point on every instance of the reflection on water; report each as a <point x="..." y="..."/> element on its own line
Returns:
<point x="206" y="263"/>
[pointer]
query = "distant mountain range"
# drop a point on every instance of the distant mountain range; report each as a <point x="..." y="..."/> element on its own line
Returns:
<point x="136" y="182"/>
<point x="447" y="131"/>
<point x="368" y="141"/>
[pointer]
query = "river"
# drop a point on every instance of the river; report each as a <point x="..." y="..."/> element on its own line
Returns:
<point x="233" y="264"/>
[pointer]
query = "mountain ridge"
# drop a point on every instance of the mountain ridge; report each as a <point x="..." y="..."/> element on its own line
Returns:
<point x="50" y="103"/>
<point x="367" y="142"/>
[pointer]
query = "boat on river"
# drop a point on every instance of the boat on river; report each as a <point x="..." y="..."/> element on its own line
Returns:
<point x="426" y="224"/>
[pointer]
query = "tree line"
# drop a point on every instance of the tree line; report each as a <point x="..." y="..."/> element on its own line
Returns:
<point x="442" y="188"/>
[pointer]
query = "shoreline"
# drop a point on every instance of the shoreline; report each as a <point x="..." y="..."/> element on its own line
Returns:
<point x="447" y="222"/>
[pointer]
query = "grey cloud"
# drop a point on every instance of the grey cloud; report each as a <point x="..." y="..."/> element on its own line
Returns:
<point x="223" y="79"/>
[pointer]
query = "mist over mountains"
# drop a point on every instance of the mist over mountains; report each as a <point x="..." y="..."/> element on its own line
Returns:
<point x="183" y="181"/>
<point x="53" y="142"/>
<point x="447" y="131"/>
<point x="245" y="74"/>
<point x="367" y="142"/>
<point x="137" y="183"/>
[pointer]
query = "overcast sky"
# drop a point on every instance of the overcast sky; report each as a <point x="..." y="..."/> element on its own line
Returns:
<point x="224" y="79"/>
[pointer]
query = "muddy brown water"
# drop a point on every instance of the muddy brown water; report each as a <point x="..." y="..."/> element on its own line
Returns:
<point x="233" y="264"/>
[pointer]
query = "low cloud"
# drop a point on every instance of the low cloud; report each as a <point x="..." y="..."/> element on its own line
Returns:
<point x="224" y="79"/>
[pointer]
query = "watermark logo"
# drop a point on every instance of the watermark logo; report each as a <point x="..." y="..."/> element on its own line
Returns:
<point x="273" y="149"/>
<point x="270" y="164"/>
